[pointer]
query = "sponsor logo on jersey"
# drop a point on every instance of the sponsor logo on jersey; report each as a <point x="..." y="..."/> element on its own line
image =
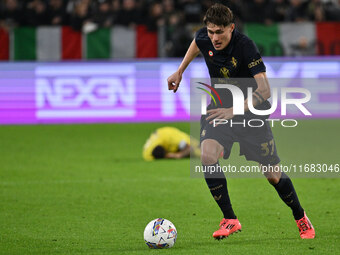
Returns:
<point x="255" y="63"/>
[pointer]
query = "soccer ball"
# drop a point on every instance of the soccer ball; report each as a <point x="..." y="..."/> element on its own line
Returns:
<point x="160" y="233"/>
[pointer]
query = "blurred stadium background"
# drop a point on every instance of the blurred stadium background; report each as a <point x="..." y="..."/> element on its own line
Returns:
<point x="101" y="29"/>
<point x="101" y="67"/>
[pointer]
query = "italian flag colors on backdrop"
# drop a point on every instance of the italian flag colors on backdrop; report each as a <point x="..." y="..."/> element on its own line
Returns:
<point x="63" y="43"/>
<point x="282" y="39"/>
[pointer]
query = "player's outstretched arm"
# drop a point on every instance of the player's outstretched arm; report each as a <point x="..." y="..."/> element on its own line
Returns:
<point x="175" y="79"/>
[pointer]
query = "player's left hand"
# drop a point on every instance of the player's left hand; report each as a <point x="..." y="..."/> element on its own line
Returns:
<point x="220" y="113"/>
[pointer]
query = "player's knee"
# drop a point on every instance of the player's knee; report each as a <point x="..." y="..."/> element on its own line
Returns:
<point x="273" y="179"/>
<point x="208" y="158"/>
<point x="272" y="174"/>
<point x="210" y="151"/>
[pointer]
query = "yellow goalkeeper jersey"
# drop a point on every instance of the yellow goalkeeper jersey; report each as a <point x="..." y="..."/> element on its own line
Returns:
<point x="170" y="138"/>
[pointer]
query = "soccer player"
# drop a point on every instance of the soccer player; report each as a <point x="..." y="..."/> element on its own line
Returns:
<point x="229" y="54"/>
<point x="169" y="142"/>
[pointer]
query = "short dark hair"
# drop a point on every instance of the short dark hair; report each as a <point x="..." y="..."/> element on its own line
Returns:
<point x="219" y="14"/>
<point x="158" y="152"/>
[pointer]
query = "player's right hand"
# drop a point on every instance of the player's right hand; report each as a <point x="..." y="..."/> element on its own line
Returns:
<point x="174" y="80"/>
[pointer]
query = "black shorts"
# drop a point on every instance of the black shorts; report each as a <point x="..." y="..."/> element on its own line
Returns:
<point x="256" y="143"/>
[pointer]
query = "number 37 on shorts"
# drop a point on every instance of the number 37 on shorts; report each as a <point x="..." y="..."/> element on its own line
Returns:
<point x="268" y="148"/>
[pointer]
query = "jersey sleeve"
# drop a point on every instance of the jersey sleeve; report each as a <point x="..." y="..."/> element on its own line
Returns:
<point x="183" y="140"/>
<point x="253" y="58"/>
<point x="182" y="144"/>
<point x="176" y="140"/>
<point x="200" y="37"/>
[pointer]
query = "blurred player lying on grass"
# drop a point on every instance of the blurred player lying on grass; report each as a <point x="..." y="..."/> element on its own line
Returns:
<point x="171" y="143"/>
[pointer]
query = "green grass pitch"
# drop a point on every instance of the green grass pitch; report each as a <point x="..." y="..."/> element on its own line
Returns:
<point x="84" y="189"/>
